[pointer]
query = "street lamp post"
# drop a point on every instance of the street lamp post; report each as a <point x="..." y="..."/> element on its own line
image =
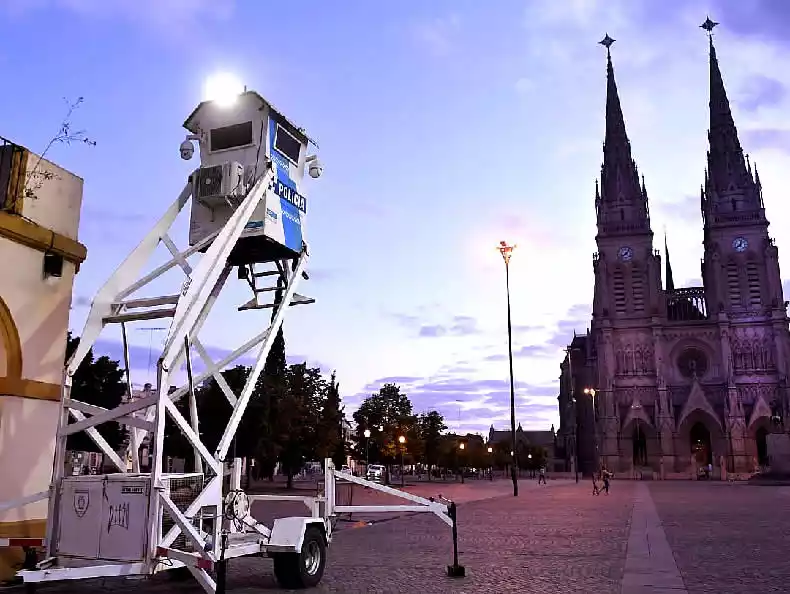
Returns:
<point x="462" y="446"/>
<point x="402" y="442"/>
<point x="507" y="251"/>
<point x="591" y="393"/>
<point x="366" y="433"/>
<point x="490" y="463"/>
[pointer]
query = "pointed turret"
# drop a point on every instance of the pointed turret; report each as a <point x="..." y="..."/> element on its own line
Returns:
<point x="622" y="205"/>
<point x="670" y="282"/>
<point x="729" y="182"/>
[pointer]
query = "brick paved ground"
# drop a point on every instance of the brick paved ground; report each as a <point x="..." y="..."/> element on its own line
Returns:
<point x="553" y="539"/>
<point x="727" y="539"/>
<point x="559" y="539"/>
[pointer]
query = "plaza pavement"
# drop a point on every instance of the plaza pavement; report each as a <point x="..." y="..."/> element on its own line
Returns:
<point x="658" y="538"/>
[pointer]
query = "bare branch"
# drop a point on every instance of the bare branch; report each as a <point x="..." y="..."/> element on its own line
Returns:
<point x="35" y="179"/>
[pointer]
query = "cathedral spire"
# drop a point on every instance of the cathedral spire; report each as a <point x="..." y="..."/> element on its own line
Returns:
<point x="623" y="201"/>
<point x="727" y="166"/>
<point x="670" y="282"/>
<point x="615" y="122"/>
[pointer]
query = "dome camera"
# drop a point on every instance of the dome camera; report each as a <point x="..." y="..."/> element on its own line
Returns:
<point x="315" y="167"/>
<point x="187" y="150"/>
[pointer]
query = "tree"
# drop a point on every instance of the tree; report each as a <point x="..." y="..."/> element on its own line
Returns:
<point x="388" y="415"/>
<point x="297" y="417"/>
<point x="97" y="381"/>
<point x="501" y="453"/>
<point x="430" y="427"/>
<point x="331" y="443"/>
<point x="272" y="389"/>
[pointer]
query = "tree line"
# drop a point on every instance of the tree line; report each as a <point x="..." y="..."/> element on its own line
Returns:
<point x="388" y="432"/>
<point x="294" y="415"/>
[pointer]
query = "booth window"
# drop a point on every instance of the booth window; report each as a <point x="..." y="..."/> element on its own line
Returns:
<point x="231" y="136"/>
<point x="287" y="144"/>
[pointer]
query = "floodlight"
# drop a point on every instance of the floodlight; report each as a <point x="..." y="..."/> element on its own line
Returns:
<point x="223" y="89"/>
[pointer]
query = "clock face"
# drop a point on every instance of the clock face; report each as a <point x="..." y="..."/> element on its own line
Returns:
<point x="625" y="253"/>
<point x="739" y="244"/>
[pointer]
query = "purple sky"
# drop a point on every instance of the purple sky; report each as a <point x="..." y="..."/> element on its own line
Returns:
<point x="443" y="129"/>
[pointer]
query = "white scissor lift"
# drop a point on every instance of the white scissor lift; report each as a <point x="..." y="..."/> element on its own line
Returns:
<point x="247" y="212"/>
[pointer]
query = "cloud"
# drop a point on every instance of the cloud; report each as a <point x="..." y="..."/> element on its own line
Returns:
<point x="767" y="138"/>
<point x="438" y="35"/>
<point x="172" y="17"/>
<point x="526" y="351"/>
<point x="144" y="358"/>
<point x="577" y="319"/>
<point x="322" y="275"/>
<point x="102" y="215"/>
<point x="766" y="19"/>
<point x="525" y="86"/>
<point x="762" y="91"/>
<point x="525" y="328"/>
<point x="80" y="301"/>
<point x="685" y="210"/>
<point x="450" y="393"/>
<point x="457" y="326"/>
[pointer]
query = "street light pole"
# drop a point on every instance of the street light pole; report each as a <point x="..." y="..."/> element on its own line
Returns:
<point x="367" y="448"/>
<point x="591" y="393"/>
<point x="402" y="441"/>
<point x="461" y="446"/>
<point x="490" y="463"/>
<point x="507" y="251"/>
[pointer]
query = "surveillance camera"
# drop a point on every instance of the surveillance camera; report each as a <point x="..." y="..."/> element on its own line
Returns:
<point x="187" y="150"/>
<point x="315" y="167"/>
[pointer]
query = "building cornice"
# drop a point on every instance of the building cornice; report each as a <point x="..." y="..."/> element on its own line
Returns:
<point x="37" y="237"/>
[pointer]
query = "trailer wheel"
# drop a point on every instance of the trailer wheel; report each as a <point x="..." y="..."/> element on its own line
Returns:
<point x="180" y="574"/>
<point x="305" y="569"/>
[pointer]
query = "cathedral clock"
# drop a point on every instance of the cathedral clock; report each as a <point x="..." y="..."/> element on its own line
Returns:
<point x="625" y="253"/>
<point x="739" y="244"/>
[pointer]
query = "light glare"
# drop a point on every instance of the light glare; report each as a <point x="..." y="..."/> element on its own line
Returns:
<point x="223" y="88"/>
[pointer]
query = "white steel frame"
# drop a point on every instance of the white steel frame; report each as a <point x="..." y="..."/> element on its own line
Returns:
<point x="189" y="307"/>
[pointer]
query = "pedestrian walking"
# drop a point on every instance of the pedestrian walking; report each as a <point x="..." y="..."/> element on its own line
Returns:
<point x="605" y="476"/>
<point x="542" y="475"/>
<point x="596" y="490"/>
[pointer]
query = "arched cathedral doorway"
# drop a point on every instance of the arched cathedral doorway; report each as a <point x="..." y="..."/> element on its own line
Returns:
<point x="700" y="444"/>
<point x="639" y="441"/>
<point x="761" y="437"/>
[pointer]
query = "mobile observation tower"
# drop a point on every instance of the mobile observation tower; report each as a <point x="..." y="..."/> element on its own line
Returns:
<point x="247" y="210"/>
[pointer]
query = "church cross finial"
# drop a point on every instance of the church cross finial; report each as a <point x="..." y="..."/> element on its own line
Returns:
<point x="607" y="42"/>
<point x="709" y="25"/>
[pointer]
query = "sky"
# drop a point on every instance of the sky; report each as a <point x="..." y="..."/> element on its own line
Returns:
<point x="444" y="127"/>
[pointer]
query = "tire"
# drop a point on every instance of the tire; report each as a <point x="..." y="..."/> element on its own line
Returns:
<point x="180" y="574"/>
<point x="297" y="571"/>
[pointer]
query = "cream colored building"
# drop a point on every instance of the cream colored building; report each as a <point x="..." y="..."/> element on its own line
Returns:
<point x="39" y="256"/>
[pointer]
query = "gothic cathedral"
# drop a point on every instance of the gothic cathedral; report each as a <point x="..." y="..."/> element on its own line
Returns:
<point x="668" y="380"/>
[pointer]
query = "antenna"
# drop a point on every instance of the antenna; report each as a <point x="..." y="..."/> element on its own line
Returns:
<point x="150" y="330"/>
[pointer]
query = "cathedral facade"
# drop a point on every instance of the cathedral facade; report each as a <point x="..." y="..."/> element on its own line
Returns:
<point x="672" y="379"/>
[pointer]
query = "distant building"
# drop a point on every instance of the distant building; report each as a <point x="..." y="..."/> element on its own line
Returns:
<point x="547" y="440"/>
